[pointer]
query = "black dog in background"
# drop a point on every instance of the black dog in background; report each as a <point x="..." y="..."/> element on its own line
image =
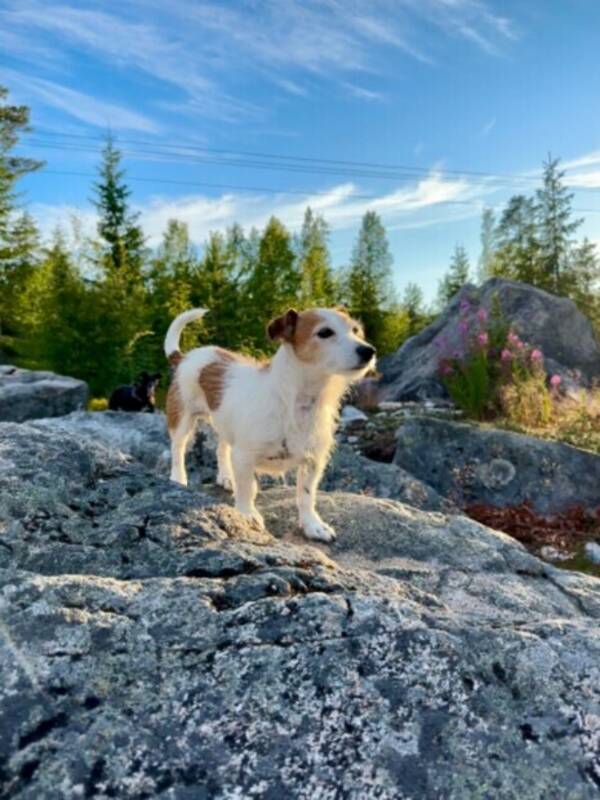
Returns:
<point x="139" y="397"/>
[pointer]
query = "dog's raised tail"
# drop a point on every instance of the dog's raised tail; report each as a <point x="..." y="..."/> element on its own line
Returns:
<point x="172" y="351"/>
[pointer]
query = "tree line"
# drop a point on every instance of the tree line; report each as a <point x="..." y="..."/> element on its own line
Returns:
<point x="97" y="308"/>
<point x="532" y="240"/>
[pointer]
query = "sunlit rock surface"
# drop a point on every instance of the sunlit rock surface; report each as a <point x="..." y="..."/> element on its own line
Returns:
<point x="153" y="644"/>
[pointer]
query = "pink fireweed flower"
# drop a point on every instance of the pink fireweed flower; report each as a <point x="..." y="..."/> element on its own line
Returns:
<point x="506" y="355"/>
<point x="483" y="339"/>
<point x="482" y="315"/>
<point x="513" y="339"/>
<point x="555" y="381"/>
<point x="446" y="370"/>
<point x="537" y="356"/>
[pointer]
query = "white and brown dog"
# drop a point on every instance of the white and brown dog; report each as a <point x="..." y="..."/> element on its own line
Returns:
<point x="270" y="416"/>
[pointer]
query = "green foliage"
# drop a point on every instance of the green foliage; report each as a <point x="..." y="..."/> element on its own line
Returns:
<point x="469" y="384"/>
<point x="456" y="277"/>
<point x="121" y="247"/>
<point x="18" y="235"/>
<point x="492" y="373"/>
<point x="368" y="288"/>
<point x="533" y="242"/>
<point x="273" y="285"/>
<point x="317" y="281"/>
<point x="413" y="306"/>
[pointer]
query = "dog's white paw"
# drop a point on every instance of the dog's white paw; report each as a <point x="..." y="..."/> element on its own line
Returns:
<point x="318" y="530"/>
<point x="254" y="517"/>
<point x="225" y="482"/>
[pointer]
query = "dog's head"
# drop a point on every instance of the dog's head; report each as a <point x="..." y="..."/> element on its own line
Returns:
<point x="327" y="339"/>
<point x="146" y="384"/>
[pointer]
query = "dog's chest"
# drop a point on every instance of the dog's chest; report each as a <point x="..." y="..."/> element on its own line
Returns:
<point x="297" y="439"/>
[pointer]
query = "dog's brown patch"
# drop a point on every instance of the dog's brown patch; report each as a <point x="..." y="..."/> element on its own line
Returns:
<point x="175" y="358"/>
<point x="305" y="346"/>
<point x="212" y="376"/>
<point x="174" y="406"/>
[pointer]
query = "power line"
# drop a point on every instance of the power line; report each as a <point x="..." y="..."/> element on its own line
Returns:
<point x="277" y="156"/>
<point x="230" y="158"/>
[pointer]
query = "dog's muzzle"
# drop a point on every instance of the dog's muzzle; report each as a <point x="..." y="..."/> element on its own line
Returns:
<point x="365" y="353"/>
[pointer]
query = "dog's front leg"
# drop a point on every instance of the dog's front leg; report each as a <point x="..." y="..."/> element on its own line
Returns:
<point x="224" y="473"/>
<point x="245" y="487"/>
<point x="309" y="475"/>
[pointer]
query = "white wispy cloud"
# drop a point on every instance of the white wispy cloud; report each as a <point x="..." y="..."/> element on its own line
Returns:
<point x="365" y="94"/>
<point x="79" y="105"/>
<point x="488" y="127"/>
<point x="204" y="48"/>
<point x="433" y="200"/>
<point x="291" y="86"/>
<point x="583" y="172"/>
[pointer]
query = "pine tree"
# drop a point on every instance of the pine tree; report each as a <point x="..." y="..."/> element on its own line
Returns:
<point x="274" y="283"/>
<point x="555" y="226"/>
<point x="456" y="277"/>
<point x="317" y="282"/>
<point x="368" y="282"/>
<point x="485" y="267"/>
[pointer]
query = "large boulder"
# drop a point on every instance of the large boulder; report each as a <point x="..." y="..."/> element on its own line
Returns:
<point x="27" y="394"/>
<point x="471" y="464"/>
<point x="156" y="645"/>
<point x="551" y="323"/>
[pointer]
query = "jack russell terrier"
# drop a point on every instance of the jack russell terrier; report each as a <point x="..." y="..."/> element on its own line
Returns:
<point x="269" y="416"/>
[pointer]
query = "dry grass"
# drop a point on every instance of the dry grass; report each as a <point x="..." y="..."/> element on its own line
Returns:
<point x="574" y="419"/>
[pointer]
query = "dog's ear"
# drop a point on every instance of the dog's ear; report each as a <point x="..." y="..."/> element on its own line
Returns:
<point x="283" y="327"/>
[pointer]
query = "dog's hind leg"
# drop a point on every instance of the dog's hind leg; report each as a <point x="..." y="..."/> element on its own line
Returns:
<point x="225" y="472"/>
<point x="245" y="486"/>
<point x="179" y="439"/>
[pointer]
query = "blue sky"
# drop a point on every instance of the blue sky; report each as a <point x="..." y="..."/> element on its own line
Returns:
<point x="456" y="101"/>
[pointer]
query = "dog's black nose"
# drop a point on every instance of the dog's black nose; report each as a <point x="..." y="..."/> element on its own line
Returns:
<point x="365" y="352"/>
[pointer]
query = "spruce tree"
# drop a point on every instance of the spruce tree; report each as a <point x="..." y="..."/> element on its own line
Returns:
<point x="216" y="289"/>
<point x="456" y="277"/>
<point x="555" y="226"/>
<point x="121" y="238"/>
<point x="122" y="325"/>
<point x="518" y="254"/>
<point x="317" y="281"/>
<point x="274" y="282"/>
<point x="414" y="307"/>
<point x="368" y="283"/>
<point x="171" y="274"/>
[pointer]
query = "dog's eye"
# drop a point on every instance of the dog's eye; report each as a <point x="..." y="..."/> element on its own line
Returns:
<point x="355" y="330"/>
<point x="325" y="333"/>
